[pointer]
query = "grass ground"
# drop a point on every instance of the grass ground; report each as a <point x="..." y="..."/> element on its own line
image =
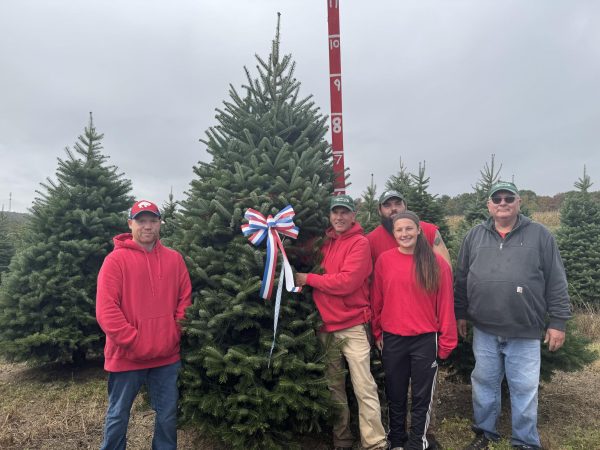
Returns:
<point x="569" y="412"/>
<point x="63" y="408"/>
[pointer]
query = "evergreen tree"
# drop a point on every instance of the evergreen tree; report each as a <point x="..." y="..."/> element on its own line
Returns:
<point x="7" y="249"/>
<point x="427" y="206"/>
<point x="167" y="215"/>
<point x="414" y="188"/>
<point x="579" y="241"/>
<point x="368" y="211"/>
<point x="477" y="211"/>
<point x="402" y="182"/>
<point x="47" y="306"/>
<point x="268" y="150"/>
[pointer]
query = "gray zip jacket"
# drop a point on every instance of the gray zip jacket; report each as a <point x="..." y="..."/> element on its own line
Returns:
<point x="509" y="286"/>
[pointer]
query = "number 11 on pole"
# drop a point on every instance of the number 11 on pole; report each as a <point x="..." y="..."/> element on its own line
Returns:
<point x="335" y="90"/>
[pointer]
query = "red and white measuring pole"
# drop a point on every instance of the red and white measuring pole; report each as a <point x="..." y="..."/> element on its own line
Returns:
<point x="335" y="89"/>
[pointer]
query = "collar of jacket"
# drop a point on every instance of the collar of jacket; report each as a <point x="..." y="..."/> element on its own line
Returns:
<point x="521" y="222"/>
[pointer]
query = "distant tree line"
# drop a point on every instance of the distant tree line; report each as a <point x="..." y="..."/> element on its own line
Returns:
<point x="457" y="205"/>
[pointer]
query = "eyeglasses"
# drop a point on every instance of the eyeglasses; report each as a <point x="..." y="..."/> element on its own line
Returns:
<point x="508" y="199"/>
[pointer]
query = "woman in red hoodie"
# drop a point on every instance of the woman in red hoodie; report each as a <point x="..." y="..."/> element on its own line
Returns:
<point x="413" y="324"/>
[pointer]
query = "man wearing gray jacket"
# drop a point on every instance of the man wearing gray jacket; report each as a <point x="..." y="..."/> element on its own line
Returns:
<point x="510" y="283"/>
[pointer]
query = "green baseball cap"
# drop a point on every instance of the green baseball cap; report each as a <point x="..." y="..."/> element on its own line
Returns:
<point x="503" y="186"/>
<point x="342" y="200"/>
<point x="390" y="194"/>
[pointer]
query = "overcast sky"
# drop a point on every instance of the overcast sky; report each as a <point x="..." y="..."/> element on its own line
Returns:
<point x="448" y="82"/>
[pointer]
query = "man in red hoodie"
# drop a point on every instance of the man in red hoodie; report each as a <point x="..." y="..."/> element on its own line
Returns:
<point x="143" y="291"/>
<point x="342" y="297"/>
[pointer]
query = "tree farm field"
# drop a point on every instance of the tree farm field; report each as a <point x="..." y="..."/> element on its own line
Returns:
<point x="63" y="408"/>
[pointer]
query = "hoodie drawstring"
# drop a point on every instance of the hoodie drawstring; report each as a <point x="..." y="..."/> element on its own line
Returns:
<point x="157" y="253"/>
<point x="149" y="274"/>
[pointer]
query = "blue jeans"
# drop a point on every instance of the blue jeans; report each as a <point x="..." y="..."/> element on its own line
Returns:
<point x="519" y="359"/>
<point x="123" y="387"/>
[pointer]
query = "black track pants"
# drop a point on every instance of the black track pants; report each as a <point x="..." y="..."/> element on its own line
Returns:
<point x="409" y="358"/>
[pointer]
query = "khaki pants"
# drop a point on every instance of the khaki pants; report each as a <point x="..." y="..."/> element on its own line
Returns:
<point x="356" y="351"/>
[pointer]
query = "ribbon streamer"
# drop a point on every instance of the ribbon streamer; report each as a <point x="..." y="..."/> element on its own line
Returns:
<point x="258" y="228"/>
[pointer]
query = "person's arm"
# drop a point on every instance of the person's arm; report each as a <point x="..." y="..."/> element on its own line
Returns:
<point x="184" y="299"/>
<point x="440" y="248"/>
<point x="460" y="287"/>
<point x="355" y="269"/>
<point x="377" y="305"/>
<point x="445" y="313"/>
<point x="108" y="300"/>
<point x="557" y="295"/>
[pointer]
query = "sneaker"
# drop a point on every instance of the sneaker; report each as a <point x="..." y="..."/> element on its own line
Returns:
<point x="433" y="443"/>
<point x="479" y="443"/>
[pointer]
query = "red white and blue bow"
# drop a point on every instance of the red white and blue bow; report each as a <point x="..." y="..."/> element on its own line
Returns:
<point x="258" y="228"/>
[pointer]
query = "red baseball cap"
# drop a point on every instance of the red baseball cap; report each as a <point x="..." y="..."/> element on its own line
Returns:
<point x="143" y="206"/>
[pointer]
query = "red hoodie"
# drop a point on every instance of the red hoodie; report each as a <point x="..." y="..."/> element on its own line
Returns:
<point x="140" y="298"/>
<point x="342" y="292"/>
<point x="401" y="306"/>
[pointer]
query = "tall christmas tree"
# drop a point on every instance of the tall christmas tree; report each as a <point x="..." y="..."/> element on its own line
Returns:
<point x="579" y="241"/>
<point x="47" y="301"/>
<point x="268" y="150"/>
